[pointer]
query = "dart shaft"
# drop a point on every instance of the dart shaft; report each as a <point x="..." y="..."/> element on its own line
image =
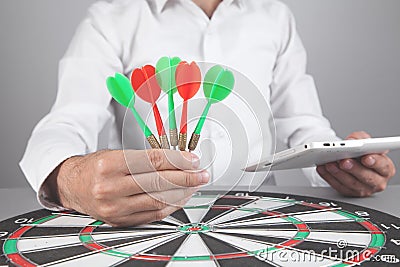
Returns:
<point x="184" y="117"/>
<point x="173" y="132"/>
<point x="171" y="107"/>
<point x="157" y="117"/>
<point x="141" y="123"/>
<point x="202" y="119"/>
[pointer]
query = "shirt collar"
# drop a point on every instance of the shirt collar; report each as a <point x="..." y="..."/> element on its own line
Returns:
<point x="160" y="4"/>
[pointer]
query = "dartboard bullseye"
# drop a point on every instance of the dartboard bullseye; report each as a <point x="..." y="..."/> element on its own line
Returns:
<point x="236" y="229"/>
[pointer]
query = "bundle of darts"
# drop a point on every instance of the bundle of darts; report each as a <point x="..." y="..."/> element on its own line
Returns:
<point x="171" y="75"/>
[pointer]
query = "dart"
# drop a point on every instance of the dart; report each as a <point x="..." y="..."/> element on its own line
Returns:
<point x="146" y="87"/>
<point x="188" y="80"/>
<point x="165" y="73"/>
<point x="121" y="90"/>
<point x="218" y="84"/>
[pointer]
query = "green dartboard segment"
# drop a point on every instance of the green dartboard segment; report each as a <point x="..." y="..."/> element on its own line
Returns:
<point x="121" y="90"/>
<point x="165" y="73"/>
<point x="218" y="84"/>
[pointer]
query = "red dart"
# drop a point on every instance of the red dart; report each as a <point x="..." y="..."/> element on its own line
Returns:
<point x="188" y="81"/>
<point x="145" y="85"/>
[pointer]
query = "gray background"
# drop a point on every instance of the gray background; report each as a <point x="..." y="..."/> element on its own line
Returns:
<point x="353" y="48"/>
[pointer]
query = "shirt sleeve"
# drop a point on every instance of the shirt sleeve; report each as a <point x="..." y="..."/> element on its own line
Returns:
<point x="294" y="99"/>
<point x="81" y="109"/>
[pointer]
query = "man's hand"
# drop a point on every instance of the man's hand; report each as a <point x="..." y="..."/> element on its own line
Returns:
<point x="125" y="188"/>
<point x="359" y="177"/>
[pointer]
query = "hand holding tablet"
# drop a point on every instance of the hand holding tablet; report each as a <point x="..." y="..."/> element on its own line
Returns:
<point x="319" y="153"/>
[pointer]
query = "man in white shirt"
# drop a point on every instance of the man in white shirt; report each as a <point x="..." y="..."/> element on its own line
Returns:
<point x="64" y="161"/>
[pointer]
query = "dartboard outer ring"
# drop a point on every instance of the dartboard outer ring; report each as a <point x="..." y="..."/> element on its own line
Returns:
<point x="255" y="227"/>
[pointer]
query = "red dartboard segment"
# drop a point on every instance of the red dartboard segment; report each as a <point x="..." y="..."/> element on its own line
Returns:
<point x="20" y="232"/>
<point x="20" y="260"/>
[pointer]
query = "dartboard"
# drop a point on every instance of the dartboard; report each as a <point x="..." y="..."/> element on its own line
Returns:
<point x="213" y="229"/>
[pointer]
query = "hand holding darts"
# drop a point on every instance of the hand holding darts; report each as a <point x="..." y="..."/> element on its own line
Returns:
<point x="218" y="84"/>
<point x="121" y="90"/>
<point x="145" y="84"/>
<point x="188" y="80"/>
<point x="165" y="72"/>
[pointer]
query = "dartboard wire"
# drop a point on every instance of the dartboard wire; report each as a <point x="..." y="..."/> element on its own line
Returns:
<point x="246" y="233"/>
<point x="274" y="245"/>
<point x="173" y="220"/>
<point x="79" y="243"/>
<point x="233" y="208"/>
<point x="250" y="253"/>
<point x="243" y="208"/>
<point x="74" y="234"/>
<point x="209" y="205"/>
<point x="72" y="215"/>
<point x="276" y="216"/>
<point x="111" y="248"/>
<point x="308" y="222"/>
<point x="144" y="250"/>
<point x="205" y="245"/>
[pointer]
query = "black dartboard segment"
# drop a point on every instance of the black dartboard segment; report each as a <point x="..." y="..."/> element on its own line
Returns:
<point x="213" y="229"/>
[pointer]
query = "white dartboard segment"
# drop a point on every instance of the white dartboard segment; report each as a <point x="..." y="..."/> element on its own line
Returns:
<point x="197" y="207"/>
<point x="250" y="209"/>
<point x="191" y="247"/>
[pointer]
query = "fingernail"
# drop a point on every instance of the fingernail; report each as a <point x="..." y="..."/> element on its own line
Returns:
<point x="347" y="165"/>
<point x="332" y="168"/>
<point x="370" y="161"/>
<point x="204" y="177"/>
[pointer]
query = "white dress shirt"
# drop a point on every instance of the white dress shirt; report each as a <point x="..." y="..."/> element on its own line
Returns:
<point x="256" y="39"/>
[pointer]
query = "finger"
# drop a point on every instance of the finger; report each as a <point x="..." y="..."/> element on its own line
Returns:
<point x="167" y="180"/>
<point x="382" y="164"/>
<point x="358" y="135"/>
<point x="145" y="216"/>
<point x="129" y="185"/>
<point x="334" y="183"/>
<point x="142" y="161"/>
<point x="143" y="202"/>
<point x="365" y="175"/>
<point x="349" y="181"/>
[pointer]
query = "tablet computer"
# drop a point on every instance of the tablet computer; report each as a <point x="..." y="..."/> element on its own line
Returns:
<point x="318" y="153"/>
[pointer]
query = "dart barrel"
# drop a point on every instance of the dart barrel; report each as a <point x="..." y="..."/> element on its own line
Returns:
<point x="164" y="142"/>
<point x="193" y="141"/>
<point x="153" y="142"/>
<point x="182" y="141"/>
<point x="173" y="136"/>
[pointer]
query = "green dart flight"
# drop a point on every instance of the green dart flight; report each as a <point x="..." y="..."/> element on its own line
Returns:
<point x="165" y="73"/>
<point x="121" y="90"/>
<point x="217" y="85"/>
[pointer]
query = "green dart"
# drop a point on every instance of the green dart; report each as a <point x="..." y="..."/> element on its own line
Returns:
<point x="165" y="73"/>
<point x="121" y="90"/>
<point x="217" y="85"/>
